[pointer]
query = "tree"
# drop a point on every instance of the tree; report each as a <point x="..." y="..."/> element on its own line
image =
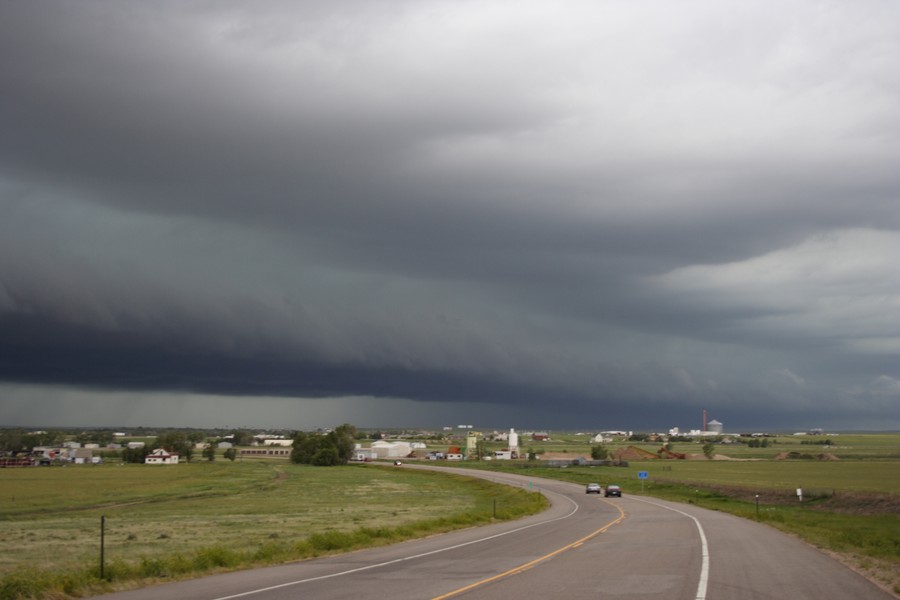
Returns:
<point x="481" y="448"/>
<point x="135" y="455"/>
<point x="178" y="443"/>
<point x="196" y="437"/>
<point x="326" y="456"/>
<point x="305" y="447"/>
<point x="709" y="450"/>
<point x="241" y="437"/>
<point x="344" y="438"/>
<point x="13" y="440"/>
<point x="599" y="452"/>
<point x="334" y="448"/>
<point x="230" y="454"/>
<point x="209" y="452"/>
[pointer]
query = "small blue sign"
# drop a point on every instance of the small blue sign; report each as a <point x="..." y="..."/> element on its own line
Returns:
<point x="643" y="475"/>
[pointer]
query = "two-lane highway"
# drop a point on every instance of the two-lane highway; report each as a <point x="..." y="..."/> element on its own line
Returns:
<point x="583" y="546"/>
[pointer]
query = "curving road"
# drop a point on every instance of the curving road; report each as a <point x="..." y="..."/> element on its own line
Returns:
<point x="582" y="547"/>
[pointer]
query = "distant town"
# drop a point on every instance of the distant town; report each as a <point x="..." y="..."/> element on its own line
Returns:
<point x="164" y="446"/>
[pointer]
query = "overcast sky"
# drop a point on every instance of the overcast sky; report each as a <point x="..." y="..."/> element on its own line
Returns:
<point x="562" y="215"/>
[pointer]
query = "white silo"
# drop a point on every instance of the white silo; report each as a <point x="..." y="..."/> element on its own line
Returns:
<point x="714" y="427"/>
<point x="513" y="441"/>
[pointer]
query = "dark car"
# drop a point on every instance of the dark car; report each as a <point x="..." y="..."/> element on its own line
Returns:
<point x="592" y="488"/>
<point x="613" y="490"/>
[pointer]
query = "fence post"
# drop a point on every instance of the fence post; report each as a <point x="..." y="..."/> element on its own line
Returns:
<point x="102" y="545"/>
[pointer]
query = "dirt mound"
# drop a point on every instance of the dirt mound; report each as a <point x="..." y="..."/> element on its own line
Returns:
<point x="634" y="453"/>
<point x="827" y="456"/>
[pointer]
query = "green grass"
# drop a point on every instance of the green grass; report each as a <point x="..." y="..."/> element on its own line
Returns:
<point x="172" y="522"/>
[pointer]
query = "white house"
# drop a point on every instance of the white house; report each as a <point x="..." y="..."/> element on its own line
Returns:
<point x="161" y="457"/>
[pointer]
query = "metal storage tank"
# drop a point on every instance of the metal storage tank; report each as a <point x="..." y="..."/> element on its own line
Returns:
<point x="714" y="426"/>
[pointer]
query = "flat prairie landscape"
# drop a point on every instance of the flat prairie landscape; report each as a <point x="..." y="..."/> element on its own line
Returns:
<point x="184" y="520"/>
<point x="223" y="515"/>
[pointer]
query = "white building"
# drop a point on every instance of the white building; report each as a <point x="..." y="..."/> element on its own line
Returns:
<point x="161" y="457"/>
<point x="361" y="454"/>
<point x="384" y="449"/>
<point x="278" y="442"/>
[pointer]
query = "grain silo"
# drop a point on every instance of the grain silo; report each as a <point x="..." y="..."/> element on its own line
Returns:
<point x="714" y="426"/>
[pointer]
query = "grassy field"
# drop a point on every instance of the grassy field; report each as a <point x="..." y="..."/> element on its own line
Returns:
<point x="164" y="522"/>
<point x="758" y="476"/>
<point x="881" y="446"/>
<point x="172" y="522"/>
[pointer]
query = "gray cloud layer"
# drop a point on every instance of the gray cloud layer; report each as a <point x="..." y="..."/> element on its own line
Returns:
<point x="623" y="211"/>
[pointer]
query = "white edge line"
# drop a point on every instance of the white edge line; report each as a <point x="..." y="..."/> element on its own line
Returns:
<point x="704" y="548"/>
<point x="397" y="560"/>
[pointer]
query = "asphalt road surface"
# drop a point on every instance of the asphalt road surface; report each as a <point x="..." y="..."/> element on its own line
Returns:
<point x="584" y="546"/>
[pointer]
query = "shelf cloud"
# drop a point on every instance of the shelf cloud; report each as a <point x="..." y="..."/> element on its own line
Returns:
<point x="595" y="215"/>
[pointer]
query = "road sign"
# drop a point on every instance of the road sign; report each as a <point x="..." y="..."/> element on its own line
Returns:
<point x="643" y="474"/>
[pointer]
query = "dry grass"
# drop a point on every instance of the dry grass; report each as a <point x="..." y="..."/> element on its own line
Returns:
<point x="171" y="522"/>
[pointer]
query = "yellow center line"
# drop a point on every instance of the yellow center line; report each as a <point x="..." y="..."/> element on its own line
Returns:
<point x="528" y="565"/>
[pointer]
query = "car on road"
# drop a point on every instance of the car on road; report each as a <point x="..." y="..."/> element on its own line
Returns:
<point x="613" y="490"/>
<point x="592" y="488"/>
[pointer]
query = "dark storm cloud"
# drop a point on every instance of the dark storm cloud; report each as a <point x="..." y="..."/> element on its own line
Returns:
<point x="623" y="211"/>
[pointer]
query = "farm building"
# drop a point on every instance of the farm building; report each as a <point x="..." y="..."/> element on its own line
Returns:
<point x="383" y="449"/>
<point x="267" y="451"/>
<point x="161" y="457"/>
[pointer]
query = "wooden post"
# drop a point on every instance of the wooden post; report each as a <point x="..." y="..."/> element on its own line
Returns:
<point x="102" y="544"/>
